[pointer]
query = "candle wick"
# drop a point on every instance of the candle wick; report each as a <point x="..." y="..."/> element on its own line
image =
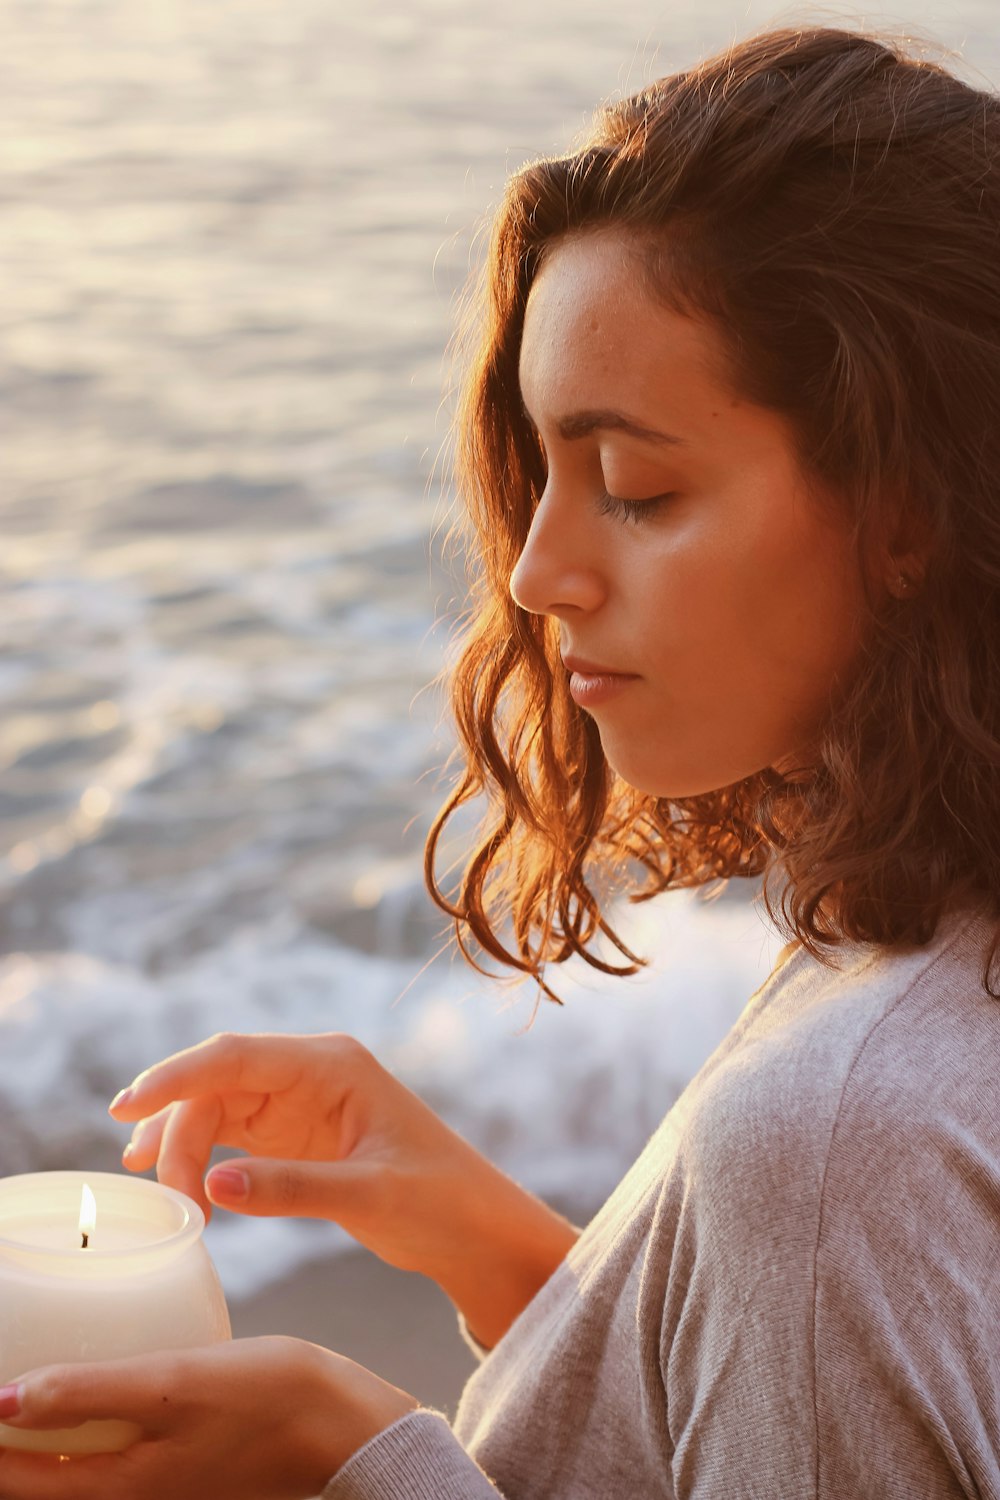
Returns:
<point x="86" y="1239"/>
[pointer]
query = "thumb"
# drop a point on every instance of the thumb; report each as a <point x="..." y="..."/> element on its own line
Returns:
<point x="308" y="1190"/>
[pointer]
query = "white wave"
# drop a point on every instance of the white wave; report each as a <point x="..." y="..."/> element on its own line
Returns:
<point x="563" y="1105"/>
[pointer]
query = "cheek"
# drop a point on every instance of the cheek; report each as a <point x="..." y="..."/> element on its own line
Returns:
<point x="762" y="604"/>
<point x="705" y="580"/>
<point x="808" y="607"/>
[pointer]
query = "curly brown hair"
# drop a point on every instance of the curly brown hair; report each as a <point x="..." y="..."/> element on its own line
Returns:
<point x="833" y="203"/>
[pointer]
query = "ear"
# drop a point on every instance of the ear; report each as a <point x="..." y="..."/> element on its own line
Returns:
<point x="903" y="547"/>
<point x="904" y="569"/>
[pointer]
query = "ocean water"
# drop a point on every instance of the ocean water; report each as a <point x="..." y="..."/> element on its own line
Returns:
<point x="231" y="240"/>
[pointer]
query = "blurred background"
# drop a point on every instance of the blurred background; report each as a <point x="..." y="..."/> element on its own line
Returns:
<point x="231" y="240"/>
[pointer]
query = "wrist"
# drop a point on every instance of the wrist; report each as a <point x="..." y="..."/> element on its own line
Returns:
<point x="507" y="1247"/>
<point x="347" y="1406"/>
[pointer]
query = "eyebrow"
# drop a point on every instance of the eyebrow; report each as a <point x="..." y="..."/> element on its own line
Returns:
<point x="581" y="424"/>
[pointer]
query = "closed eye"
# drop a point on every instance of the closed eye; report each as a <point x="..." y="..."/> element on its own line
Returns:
<point x="635" y="511"/>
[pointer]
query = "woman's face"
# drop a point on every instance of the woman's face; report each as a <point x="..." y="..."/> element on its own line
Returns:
<point x="677" y="541"/>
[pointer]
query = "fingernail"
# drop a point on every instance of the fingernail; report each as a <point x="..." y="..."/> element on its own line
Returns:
<point x="10" y="1400"/>
<point x="128" y="1151"/>
<point x="228" y="1182"/>
<point x="121" y="1098"/>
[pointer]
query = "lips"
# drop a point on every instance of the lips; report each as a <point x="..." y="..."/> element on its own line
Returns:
<point x="577" y="665"/>
<point x="591" y="685"/>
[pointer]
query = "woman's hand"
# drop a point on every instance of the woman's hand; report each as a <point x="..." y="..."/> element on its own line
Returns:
<point x="331" y="1134"/>
<point x="255" y="1419"/>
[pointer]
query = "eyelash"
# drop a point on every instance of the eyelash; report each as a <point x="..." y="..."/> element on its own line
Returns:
<point x="632" y="511"/>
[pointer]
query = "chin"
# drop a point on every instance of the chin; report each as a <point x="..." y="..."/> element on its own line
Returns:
<point x="655" y="767"/>
<point x="680" y="783"/>
<point x="671" y="788"/>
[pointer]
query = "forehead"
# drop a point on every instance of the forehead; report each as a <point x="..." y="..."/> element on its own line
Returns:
<point x="592" y="321"/>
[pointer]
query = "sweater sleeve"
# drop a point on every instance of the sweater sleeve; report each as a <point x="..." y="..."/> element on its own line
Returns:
<point x="478" y="1349"/>
<point x="417" y="1458"/>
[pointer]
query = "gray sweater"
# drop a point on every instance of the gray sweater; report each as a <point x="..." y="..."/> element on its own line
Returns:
<point x="795" y="1292"/>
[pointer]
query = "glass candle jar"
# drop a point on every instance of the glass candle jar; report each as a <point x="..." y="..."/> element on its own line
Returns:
<point x="136" y="1280"/>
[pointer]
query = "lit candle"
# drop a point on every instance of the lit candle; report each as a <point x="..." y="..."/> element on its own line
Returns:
<point x="88" y="1215"/>
<point x="99" y="1267"/>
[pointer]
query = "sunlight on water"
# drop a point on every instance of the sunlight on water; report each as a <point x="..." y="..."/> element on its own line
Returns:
<point x="231" y="242"/>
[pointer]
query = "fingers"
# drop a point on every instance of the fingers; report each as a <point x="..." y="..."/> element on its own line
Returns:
<point x="66" y="1395"/>
<point x="247" y="1417"/>
<point x="315" y="1190"/>
<point x="224" y="1063"/>
<point x="58" y="1400"/>
<point x="143" y="1149"/>
<point x="189" y="1132"/>
<point x="217" y="1065"/>
<point x="178" y="1142"/>
<point x="263" y="1093"/>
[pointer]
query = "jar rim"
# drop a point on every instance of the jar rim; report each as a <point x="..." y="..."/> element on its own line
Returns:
<point x="164" y="1208"/>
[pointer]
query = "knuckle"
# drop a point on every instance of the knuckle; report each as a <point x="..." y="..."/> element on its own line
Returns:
<point x="347" y="1050"/>
<point x="371" y="1194"/>
<point x="144" y="1127"/>
<point x="287" y="1189"/>
<point x="226" y="1050"/>
<point x="225" y="1042"/>
<point x="51" y="1387"/>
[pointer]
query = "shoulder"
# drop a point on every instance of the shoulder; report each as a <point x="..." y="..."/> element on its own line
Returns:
<point x="922" y="1094"/>
<point x="826" y="1231"/>
<point x="907" y="1276"/>
<point x="914" y="1160"/>
<point x="859" y="1068"/>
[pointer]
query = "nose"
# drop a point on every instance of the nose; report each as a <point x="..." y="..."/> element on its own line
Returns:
<point x="557" y="572"/>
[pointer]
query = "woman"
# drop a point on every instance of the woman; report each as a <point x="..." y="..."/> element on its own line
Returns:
<point x="731" y="451"/>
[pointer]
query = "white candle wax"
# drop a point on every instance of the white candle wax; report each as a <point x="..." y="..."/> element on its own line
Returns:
<point x="144" y="1283"/>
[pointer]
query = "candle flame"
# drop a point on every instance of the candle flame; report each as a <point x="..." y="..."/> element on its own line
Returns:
<point x="88" y="1211"/>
